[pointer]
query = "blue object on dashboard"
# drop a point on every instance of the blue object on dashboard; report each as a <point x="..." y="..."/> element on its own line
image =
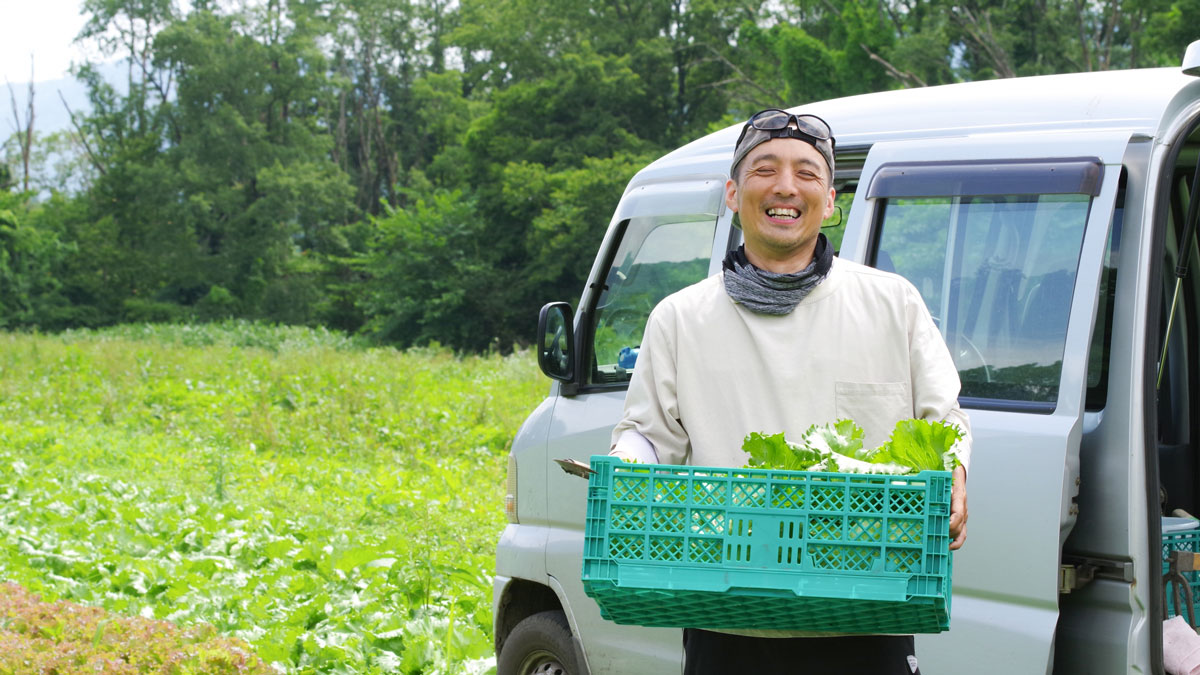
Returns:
<point x="627" y="358"/>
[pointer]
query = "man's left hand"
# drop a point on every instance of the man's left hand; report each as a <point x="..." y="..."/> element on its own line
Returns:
<point x="958" y="509"/>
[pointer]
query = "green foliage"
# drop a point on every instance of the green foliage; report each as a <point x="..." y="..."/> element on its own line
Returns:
<point x="30" y="253"/>
<point x="430" y="277"/>
<point x="809" y="68"/>
<point x="276" y="483"/>
<point x="575" y="213"/>
<point x="256" y="181"/>
<point x="214" y="175"/>
<point x="445" y="116"/>
<point x="589" y="106"/>
<point x="231" y="333"/>
<point x="1169" y="31"/>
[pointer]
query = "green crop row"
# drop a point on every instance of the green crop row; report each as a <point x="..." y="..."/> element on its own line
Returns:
<point x="335" y="506"/>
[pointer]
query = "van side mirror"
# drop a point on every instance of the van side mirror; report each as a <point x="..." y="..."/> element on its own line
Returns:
<point x="556" y="340"/>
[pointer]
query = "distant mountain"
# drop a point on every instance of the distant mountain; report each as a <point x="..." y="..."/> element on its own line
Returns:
<point x="50" y="114"/>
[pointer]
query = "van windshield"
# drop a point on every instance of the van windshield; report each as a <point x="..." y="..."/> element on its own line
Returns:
<point x="997" y="273"/>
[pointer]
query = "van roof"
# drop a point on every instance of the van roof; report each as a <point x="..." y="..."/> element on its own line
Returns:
<point x="1123" y="99"/>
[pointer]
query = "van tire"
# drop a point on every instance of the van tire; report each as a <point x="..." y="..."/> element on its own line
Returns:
<point x="539" y="645"/>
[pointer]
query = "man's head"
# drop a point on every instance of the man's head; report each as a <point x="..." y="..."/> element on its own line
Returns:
<point x="781" y="189"/>
<point x="773" y="123"/>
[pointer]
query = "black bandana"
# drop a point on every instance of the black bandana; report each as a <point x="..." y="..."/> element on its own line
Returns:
<point x="770" y="293"/>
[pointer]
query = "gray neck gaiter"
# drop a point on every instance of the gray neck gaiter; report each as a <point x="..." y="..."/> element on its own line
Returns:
<point x="770" y="293"/>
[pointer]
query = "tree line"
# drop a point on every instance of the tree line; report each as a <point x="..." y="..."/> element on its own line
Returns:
<point x="435" y="170"/>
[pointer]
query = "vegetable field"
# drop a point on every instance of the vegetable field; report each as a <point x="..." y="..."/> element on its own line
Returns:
<point x="333" y="505"/>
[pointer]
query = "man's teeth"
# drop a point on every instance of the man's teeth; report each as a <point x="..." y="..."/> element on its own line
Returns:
<point x="783" y="213"/>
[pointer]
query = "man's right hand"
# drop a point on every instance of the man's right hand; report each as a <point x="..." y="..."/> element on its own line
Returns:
<point x="958" y="509"/>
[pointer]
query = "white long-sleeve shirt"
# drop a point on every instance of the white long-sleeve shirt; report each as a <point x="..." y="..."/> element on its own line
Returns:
<point x="862" y="346"/>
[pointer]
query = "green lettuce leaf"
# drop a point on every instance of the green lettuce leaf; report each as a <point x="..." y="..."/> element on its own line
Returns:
<point x="843" y="437"/>
<point x="922" y="445"/>
<point x="774" y="452"/>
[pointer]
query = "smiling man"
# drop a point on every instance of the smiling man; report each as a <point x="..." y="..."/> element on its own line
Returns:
<point x="782" y="191"/>
<point x="788" y="336"/>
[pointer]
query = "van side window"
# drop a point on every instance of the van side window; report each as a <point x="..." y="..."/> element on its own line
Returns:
<point x="996" y="271"/>
<point x="657" y="256"/>
<point x="834" y="227"/>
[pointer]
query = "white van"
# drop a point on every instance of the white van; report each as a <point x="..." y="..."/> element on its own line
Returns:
<point x="1041" y="219"/>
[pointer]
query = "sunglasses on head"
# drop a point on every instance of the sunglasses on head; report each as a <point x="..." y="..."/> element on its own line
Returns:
<point x="808" y="127"/>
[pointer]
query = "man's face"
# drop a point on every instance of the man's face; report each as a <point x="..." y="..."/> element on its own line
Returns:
<point x="782" y="197"/>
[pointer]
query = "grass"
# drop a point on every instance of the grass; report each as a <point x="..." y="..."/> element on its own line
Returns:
<point x="335" y="506"/>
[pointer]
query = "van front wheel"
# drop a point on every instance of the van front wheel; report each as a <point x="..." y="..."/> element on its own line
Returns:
<point x="539" y="645"/>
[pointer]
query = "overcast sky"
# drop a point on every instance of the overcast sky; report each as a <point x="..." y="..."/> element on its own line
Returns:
<point x="44" y="28"/>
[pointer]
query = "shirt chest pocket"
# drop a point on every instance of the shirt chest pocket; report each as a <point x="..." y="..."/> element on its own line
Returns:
<point x="874" y="406"/>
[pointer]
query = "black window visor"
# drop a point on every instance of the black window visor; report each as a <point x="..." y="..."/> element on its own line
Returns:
<point x="1080" y="175"/>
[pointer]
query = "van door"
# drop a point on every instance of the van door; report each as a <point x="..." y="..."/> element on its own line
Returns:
<point x="665" y="235"/>
<point x="1004" y="236"/>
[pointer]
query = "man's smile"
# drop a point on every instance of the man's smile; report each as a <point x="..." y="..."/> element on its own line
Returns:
<point x="783" y="213"/>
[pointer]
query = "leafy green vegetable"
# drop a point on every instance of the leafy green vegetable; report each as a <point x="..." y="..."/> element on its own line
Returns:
<point x="774" y="452"/>
<point x="922" y="444"/>
<point x="843" y="437"/>
<point x="915" y="446"/>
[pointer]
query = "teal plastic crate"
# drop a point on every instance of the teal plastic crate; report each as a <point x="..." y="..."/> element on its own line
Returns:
<point x="1187" y="540"/>
<point x="720" y="548"/>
